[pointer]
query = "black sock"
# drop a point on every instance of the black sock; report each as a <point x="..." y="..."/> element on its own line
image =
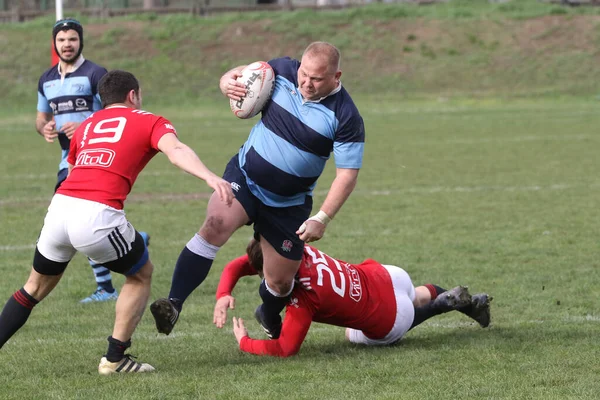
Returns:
<point x="15" y="314"/>
<point x="422" y="314"/>
<point x="272" y="305"/>
<point x="190" y="271"/>
<point x="116" y="349"/>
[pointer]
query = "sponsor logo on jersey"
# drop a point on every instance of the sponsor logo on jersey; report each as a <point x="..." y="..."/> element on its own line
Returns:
<point x="95" y="158"/>
<point x="294" y="302"/>
<point x="235" y="186"/>
<point x="287" y="246"/>
<point x="53" y="106"/>
<point x="65" y="106"/>
<point x="79" y="87"/>
<point x="355" y="289"/>
<point x="171" y="127"/>
<point x="81" y="104"/>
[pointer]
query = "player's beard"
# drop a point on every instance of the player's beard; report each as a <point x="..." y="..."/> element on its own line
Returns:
<point x="71" y="58"/>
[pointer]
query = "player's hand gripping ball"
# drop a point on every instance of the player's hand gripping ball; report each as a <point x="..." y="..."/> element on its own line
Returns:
<point x="259" y="79"/>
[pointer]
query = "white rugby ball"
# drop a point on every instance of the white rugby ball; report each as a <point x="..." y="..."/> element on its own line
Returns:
<point x="259" y="79"/>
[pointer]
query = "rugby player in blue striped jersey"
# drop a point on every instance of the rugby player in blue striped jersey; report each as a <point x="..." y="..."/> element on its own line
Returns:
<point x="67" y="95"/>
<point x="310" y="116"/>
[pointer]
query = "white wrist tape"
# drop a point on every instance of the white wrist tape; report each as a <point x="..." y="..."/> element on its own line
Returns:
<point x="321" y="217"/>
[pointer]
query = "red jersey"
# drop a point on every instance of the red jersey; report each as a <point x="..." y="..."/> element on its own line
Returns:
<point x="329" y="291"/>
<point x="109" y="150"/>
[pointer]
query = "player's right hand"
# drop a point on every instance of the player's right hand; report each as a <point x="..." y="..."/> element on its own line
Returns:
<point x="230" y="86"/>
<point x="49" y="132"/>
<point x="220" y="313"/>
<point x="222" y="187"/>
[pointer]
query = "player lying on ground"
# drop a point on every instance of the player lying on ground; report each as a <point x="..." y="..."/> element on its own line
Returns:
<point x="377" y="303"/>
<point x="107" y="153"/>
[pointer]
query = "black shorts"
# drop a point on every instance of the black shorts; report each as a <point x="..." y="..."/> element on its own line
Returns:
<point x="278" y="225"/>
<point x="60" y="177"/>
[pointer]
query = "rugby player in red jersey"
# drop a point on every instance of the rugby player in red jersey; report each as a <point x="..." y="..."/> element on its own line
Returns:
<point x="107" y="152"/>
<point x="377" y="303"/>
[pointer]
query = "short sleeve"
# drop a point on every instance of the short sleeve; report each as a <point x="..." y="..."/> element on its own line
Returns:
<point x="349" y="143"/>
<point x="161" y="127"/>
<point x="42" y="104"/>
<point x="286" y="67"/>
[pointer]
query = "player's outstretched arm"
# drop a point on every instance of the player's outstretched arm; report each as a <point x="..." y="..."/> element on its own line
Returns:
<point x="182" y="156"/>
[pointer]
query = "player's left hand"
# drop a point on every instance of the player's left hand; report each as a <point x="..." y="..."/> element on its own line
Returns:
<point x="69" y="128"/>
<point x="311" y="231"/>
<point x="220" y="313"/>
<point x="239" y="330"/>
<point x="222" y="187"/>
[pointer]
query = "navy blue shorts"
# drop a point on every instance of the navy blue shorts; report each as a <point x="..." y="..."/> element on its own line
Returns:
<point x="278" y="225"/>
<point x="60" y="177"/>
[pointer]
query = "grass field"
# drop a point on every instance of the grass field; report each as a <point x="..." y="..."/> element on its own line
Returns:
<point x="501" y="196"/>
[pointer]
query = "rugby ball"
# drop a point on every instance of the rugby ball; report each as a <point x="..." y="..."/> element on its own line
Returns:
<point x="259" y="79"/>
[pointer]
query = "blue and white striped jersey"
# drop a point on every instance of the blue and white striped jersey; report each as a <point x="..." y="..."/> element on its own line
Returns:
<point x="72" y="99"/>
<point x="287" y="149"/>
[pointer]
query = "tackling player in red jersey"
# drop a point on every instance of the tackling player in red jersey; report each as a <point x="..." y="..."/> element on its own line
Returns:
<point x="377" y="303"/>
<point x="107" y="152"/>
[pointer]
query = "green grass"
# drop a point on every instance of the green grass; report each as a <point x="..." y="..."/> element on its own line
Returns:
<point x="471" y="48"/>
<point x="499" y="195"/>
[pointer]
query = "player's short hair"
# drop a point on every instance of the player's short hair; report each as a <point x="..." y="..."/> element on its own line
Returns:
<point x="255" y="255"/>
<point x="115" y="86"/>
<point x="327" y="50"/>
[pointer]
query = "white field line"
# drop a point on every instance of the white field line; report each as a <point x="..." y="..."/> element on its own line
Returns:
<point x="170" y="243"/>
<point x="257" y="333"/>
<point x="23" y="177"/>
<point x="517" y="139"/>
<point x="143" y="197"/>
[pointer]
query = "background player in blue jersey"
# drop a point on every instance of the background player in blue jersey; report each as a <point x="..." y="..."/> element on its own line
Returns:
<point x="310" y="115"/>
<point x="67" y="94"/>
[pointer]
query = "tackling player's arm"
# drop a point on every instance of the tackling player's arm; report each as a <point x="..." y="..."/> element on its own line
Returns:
<point x="182" y="156"/>
<point x="45" y="126"/>
<point x="232" y="272"/>
<point x="229" y="85"/>
<point x="295" y="327"/>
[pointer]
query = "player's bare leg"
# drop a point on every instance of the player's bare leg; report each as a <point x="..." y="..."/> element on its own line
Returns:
<point x="39" y="286"/>
<point x="196" y="258"/>
<point x="129" y="310"/>
<point x="17" y="309"/>
<point x="279" y="275"/>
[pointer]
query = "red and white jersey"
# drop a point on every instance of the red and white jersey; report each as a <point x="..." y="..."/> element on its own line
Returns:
<point x="329" y="291"/>
<point x="108" y="151"/>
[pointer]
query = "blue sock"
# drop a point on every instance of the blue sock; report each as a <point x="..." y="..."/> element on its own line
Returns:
<point x="272" y="304"/>
<point x="103" y="277"/>
<point x="191" y="269"/>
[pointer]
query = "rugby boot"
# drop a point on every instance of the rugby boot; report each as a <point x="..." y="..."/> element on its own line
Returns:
<point x="100" y="295"/>
<point x="271" y="328"/>
<point x="453" y="299"/>
<point x="124" y="366"/>
<point x="165" y="315"/>
<point x="479" y="309"/>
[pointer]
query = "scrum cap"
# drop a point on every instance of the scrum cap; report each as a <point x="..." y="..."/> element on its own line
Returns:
<point x="65" y="25"/>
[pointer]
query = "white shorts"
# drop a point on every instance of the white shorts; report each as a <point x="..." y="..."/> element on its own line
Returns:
<point x="405" y="310"/>
<point x="100" y="232"/>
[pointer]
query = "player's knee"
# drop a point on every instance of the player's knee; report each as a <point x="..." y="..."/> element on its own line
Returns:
<point x="144" y="274"/>
<point x="280" y="285"/>
<point x="213" y="229"/>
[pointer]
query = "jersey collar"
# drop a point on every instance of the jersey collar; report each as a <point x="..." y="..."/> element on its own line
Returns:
<point x="77" y="64"/>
